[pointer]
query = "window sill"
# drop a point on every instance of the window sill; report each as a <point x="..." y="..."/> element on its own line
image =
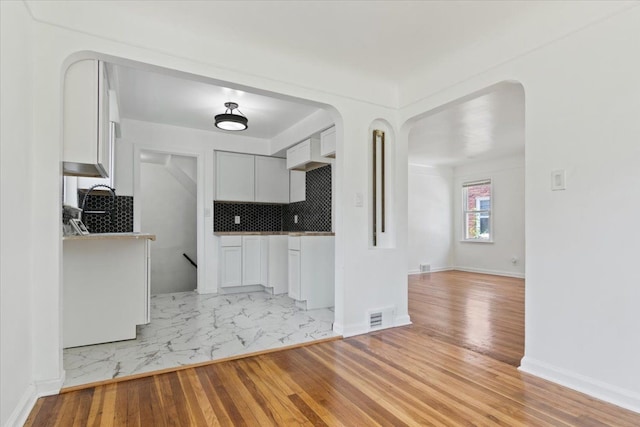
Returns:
<point x="476" y="241"/>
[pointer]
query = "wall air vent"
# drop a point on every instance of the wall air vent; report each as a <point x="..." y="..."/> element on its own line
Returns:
<point x="375" y="320"/>
<point x="381" y="318"/>
<point x="425" y="268"/>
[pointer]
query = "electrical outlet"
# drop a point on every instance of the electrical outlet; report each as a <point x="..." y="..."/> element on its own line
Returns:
<point x="295" y="219"/>
<point x="236" y="220"/>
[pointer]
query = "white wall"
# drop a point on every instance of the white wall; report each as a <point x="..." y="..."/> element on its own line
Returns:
<point x="507" y="180"/>
<point x="430" y="217"/>
<point x="169" y="211"/>
<point x="17" y="392"/>
<point x="582" y="110"/>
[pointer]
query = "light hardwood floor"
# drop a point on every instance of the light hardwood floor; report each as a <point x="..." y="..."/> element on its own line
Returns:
<point x="443" y="372"/>
<point x="480" y="312"/>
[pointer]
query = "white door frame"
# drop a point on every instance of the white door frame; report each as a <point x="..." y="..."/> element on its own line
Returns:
<point x="200" y="205"/>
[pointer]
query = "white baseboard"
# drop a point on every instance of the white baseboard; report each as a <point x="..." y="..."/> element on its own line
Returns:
<point x="350" y="330"/>
<point x="615" y="395"/>
<point x="433" y="270"/>
<point x="494" y="272"/>
<point x="363" y="328"/>
<point x="50" y="387"/>
<point x="38" y="389"/>
<point x="402" y="321"/>
<point x="207" y="291"/>
<point x="22" y="410"/>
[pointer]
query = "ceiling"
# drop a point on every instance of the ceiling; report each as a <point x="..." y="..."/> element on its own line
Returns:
<point x="356" y="36"/>
<point x="487" y="126"/>
<point x="159" y="98"/>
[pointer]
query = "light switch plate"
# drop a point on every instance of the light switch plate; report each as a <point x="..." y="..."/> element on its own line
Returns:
<point x="558" y="180"/>
<point x="236" y="220"/>
<point x="358" y="200"/>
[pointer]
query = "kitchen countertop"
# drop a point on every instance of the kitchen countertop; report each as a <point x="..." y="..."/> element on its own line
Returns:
<point x="274" y="233"/>
<point x="111" y="236"/>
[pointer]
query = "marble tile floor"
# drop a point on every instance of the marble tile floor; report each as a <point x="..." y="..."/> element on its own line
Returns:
<point x="189" y="328"/>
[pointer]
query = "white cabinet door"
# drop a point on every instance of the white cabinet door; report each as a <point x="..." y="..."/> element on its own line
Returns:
<point x="277" y="274"/>
<point x="299" y="154"/>
<point x="235" y="177"/>
<point x="251" y="259"/>
<point x="104" y="141"/>
<point x="265" y="255"/>
<point x="306" y="156"/>
<point x="298" y="186"/>
<point x="86" y="150"/>
<point x="230" y="266"/>
<point x="272" y="180"/>
<point x="294" y="274"/>
<point x="328" y="143"/>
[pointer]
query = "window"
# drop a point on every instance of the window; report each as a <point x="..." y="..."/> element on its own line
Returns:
<point x="476" y="205"/>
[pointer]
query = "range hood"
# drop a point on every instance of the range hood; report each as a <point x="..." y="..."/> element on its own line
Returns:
<point x="84" y="170"/>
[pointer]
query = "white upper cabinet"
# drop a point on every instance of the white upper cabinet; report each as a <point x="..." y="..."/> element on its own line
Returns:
<point x="297" y="186"/>
<point x="235" y="177"/>
<point x="87" y="148"/>
<point x="249" y="178"/>
<point x="272" y="180"/>
<point x="305" y="156"/>
<point x="328" y="143"/>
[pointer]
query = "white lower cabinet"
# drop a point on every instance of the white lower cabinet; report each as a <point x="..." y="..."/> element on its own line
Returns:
<point x="251" y="260"/>
<point x="277" y="259"/>
<point x="105" y="288"/>
<point x="231" y="266"/>
<point x="254" y="260"/>
<point x="294" y="274"/>
<point x="230" y="261"/>
<point x="311" y="271"/>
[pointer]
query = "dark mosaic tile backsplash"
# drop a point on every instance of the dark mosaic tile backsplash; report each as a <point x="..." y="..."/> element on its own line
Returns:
<point x="314" y="214"/>
<point x="102" y="223"/>
<point x="253" y="217"/>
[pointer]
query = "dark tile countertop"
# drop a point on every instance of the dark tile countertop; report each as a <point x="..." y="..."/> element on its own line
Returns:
<point x="273" y="233"/>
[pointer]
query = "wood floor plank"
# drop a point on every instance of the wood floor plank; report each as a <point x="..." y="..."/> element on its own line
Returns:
<point x="455" y="365"/>
<point x="198" y="397"/>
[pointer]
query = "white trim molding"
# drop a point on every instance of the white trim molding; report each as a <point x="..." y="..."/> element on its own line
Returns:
<point x="494" y="272"/>
<point x="615" y="395"/>
<point x="363" y="328"/>
<point x="28" y="399"/>
<point x="433" y="270"/>
<point x="50" y="387"/>
<point x="22" y="410"/>
<point x="350" y="330"/>
<point x="402" y="321"/>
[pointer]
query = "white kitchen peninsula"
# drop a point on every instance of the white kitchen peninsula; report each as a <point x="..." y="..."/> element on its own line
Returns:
<point x="105" y="287"/>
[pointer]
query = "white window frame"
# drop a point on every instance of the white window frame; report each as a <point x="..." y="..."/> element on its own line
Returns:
<point x="487" y="213"/>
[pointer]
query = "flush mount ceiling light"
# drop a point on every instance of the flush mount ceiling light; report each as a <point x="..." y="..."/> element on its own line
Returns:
<point x="230" y="121"/>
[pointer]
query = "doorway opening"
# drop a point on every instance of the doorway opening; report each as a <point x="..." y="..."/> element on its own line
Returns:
<point x="168" y="191"/>
<point x="466" y="222"/>
<point x="166" y="158"/>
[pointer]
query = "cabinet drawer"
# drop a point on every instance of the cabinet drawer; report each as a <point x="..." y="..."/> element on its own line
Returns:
<point x="294" y="243"/>
<point x="226" y="241"/>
